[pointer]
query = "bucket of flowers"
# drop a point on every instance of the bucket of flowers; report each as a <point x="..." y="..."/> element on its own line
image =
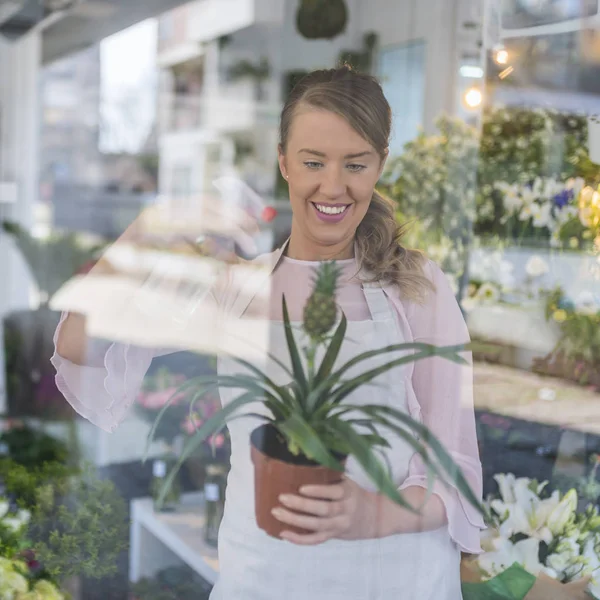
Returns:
<point x="538" y="548"/>
<point x="182" y="421"/>
<point x="308" y="429"/>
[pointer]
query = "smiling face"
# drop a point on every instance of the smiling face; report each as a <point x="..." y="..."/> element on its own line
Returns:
<point x="331" y="171"/>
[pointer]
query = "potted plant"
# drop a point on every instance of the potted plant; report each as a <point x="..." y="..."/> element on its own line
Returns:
<point x="28" y="334"/>
<point x="309" y="431"/>
<point x="182" y="421"/>
<point x="321" y="19"/>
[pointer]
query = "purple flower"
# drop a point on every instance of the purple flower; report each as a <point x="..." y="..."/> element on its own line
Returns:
<point x="563" y="198"/>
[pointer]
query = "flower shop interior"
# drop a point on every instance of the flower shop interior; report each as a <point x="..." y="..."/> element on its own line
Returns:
<point x="111" y="111"/>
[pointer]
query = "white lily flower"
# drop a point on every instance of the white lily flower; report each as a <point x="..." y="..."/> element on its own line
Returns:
<point x="528" y="514"/>
<point x="506" y="484"/>
<point x="566" y="561"/>
<point x="505" y="554"/>
<point x="562" y="513"/>
<point x="591" y="554"/>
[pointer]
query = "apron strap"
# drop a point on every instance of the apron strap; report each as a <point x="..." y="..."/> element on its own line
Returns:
<point x="379" y="306"/>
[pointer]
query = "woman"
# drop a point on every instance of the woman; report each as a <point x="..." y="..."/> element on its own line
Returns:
<point x="335" y="129"/>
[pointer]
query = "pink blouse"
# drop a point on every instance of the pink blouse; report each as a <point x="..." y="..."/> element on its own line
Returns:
<point x="441" y="394"/>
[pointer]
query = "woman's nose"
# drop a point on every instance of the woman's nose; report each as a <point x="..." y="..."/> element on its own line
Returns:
<point x="332" y="184"/>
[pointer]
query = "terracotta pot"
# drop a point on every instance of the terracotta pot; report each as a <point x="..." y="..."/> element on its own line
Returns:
<point x="276" y="472"/>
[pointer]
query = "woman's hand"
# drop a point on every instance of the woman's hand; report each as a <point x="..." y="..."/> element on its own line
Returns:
<point x="343" y="511"/>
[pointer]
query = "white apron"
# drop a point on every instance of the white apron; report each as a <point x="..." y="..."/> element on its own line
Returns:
<point x="255" y="566"/>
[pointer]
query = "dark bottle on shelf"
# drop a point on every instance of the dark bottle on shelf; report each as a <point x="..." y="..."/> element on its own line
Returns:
<point x="214" y="497"/>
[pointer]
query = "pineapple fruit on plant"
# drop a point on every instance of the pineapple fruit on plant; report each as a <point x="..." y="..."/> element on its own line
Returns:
<point x="311" y="414"/>
<point x="320" y="310"/>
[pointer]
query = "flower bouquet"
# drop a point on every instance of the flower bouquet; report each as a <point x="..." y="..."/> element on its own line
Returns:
<point x="539" y="547"/>
<point x="182" y="419"/>
<point x="309" y="430"/>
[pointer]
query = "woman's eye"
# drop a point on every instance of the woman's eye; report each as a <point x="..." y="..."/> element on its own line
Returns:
<point x="356" y="168"/>
<point x="312" y="164"/>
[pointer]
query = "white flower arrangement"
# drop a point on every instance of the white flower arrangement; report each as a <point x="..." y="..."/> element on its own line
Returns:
<point x="545" y="204"/>
<point x="543" y="535"/>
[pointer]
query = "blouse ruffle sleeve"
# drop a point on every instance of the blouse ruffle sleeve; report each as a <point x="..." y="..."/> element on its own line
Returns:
<point x="103" y="394"/>
<point x="103" y="390"/>
<point x="442" y="399"/>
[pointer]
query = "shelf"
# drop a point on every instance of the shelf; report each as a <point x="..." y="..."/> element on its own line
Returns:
<point x="181" y="533"/>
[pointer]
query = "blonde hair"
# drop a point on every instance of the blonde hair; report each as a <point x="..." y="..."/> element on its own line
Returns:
<point x="359" y="99"/>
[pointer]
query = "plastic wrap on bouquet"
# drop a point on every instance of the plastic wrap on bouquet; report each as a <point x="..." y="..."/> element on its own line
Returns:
<point x="515" y="583"/>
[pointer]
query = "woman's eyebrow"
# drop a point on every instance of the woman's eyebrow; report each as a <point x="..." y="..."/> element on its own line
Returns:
<point x="323" y="155"/>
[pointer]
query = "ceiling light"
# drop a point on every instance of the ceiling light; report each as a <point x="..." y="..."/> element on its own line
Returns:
<point x="473" y="97"/>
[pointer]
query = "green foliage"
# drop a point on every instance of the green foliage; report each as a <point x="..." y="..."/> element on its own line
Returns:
<point x="79" y="526"/>
<point x="310" y="414"/>
<point x="31" y="448"/>
<point x="449" y="179"/>
<point x="22" y="482"/>
<point x="321" y="19"/>
<point x="174" y="583"/>
<point x="53" y="260"/>
<point x="518" y="145"/>
<point x="580" y="328"/>
<point x="434" y="183"/>
<point x="361" y="60"/>
<point x="245" y="68"/>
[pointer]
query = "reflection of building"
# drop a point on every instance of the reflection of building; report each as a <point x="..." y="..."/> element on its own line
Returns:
<point x="70" y="90"/>
<point x="226" y="66"/>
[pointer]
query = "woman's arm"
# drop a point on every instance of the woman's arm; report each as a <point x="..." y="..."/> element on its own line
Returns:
<point x="443" y="395"/>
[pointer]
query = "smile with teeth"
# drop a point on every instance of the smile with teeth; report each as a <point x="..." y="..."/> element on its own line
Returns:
<point x="331" y="210"/>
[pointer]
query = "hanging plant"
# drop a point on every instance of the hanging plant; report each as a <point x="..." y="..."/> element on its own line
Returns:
<point x="361" y="60"/>
<point x="321" y="19"/>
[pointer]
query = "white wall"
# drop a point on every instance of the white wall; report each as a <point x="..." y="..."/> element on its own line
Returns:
<point x="433" y="21"/>
<point x="296" y="52"/>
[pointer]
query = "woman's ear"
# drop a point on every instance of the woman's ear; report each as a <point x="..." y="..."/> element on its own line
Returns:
<point x="282" y="162"/>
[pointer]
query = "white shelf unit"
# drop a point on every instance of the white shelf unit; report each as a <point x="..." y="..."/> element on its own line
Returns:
<point x="159" y="540"/>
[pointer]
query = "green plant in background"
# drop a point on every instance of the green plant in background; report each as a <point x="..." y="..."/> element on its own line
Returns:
<point x="434" y="183"/>
<point x="309" y="412"/>
<point x="21" y="483"/>
<point x="519" y="145"/>
<point x="361" y="60"/>
<point x="79" y="526"/>
<point x="321" y="19"/>
<point x="53" y="260"/>
<point x="28" y="334"/>
<point x="470" y="171"/>
<point x="245" y="68"/>
<point x="579" y="343"/>
<point x="32" y="448"/>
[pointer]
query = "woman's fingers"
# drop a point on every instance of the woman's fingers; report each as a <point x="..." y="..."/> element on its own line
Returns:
<point x="308" y="522"/>
<point x="320" y="508"/>
<point x="336" y="491"/>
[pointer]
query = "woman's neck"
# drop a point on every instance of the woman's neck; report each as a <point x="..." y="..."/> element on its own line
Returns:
<point x="299" y="248"/>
